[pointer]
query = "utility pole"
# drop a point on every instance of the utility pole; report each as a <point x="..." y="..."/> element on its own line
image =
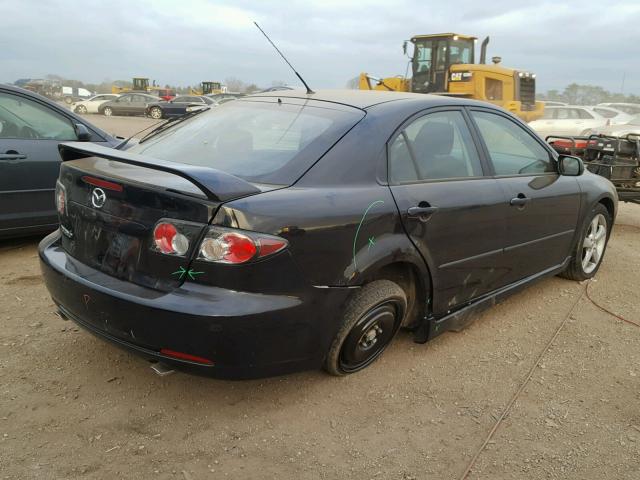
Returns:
<point x="624" y="74"/>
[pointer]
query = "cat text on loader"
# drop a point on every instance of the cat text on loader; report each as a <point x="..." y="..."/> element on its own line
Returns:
<point x="444" y="64"/>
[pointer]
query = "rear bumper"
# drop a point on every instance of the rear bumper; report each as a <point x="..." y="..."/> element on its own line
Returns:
<point x="245" y="335"/>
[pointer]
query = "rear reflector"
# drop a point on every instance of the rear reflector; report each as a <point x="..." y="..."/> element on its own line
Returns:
<point x="97" y="182"/>
<point x="185" y="356"/>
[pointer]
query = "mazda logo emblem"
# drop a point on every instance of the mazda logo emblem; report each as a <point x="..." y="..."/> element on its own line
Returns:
<point x="98" y="197"/>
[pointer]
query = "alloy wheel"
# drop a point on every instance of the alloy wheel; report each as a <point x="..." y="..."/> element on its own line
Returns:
<point x="594" y="243"/>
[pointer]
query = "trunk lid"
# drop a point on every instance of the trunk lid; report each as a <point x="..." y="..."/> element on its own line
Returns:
<point x="113" y="200"/>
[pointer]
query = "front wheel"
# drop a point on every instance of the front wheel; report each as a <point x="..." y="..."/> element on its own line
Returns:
<point x="371" y="319"/>
<point x="156" y="113"/>
<point x="81" y="109"/>
<point x="107" y="111"/>
<point x="587" y="256"/>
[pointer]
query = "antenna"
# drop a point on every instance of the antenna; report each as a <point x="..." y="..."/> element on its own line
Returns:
<point x="309" y="91"/>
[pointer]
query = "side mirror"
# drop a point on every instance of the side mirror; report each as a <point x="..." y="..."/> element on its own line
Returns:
<point x="404" y="47"/>
<point x="82" y="133"/>
<point x="570" y="166"/>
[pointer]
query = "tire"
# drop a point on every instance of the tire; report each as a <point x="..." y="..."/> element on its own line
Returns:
<point x="371" y="319"/>
<point x="107" y="111"/>
<point x="68" y="100"/>
<point x="81" y="109"/>
<point x="580" y="267"/>
<point x="155" y="112"/>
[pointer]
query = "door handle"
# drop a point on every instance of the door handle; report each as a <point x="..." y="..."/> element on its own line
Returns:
<point x="12" y="156"/>
<point x="422" y="213"/>
<point x="520" y="201"/>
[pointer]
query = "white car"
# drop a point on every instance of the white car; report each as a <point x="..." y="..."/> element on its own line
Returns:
<point x="630" y="108"/>
<point x="91" y="104"/>
<point x="568" y="121"/>
<point x="615" y="116"/>
<point x="632" y="127"/>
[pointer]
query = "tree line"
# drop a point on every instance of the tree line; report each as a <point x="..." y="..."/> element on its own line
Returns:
<point x="233" y="84"/>
<point x="576" y="94"/>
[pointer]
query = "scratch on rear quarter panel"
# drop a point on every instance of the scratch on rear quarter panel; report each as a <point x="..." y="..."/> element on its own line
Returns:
<point x="355" y="238"/>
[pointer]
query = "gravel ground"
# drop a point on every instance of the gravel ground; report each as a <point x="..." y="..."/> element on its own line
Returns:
<point x="72" y="406"/>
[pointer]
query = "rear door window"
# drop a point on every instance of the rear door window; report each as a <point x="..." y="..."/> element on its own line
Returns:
<point x="434" y="147"/>
<point x="260" y="141"/>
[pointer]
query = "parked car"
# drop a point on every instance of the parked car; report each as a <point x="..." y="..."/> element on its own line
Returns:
<point x="571" y="120"/>
<point x="631" y="127"/>
<point x="551" y="103"/>
<point x="91" y="105"/>
<point x="221" y="98"/>
<point x="615" y="116"/>
<point x="178" y="106"/>
<point x="278" y="233"/>
<point x="31" y="127"/>
<point x="276" y="88"/>
<point x="73" y="94"/>
<point x="630" y="108"/>
<point x="128" y="104"/>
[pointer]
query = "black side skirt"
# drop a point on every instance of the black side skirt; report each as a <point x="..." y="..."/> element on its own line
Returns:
<point x="431" y="327"/>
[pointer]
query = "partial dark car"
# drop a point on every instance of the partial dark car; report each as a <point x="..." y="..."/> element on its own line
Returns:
<point x="276" y="88"/>
<point x="178" y="106"/>
<point x="287" y="231"/>
<point x="31" y="127"/>
<point x="128" y="104"/>
<point x="221" y="98"/>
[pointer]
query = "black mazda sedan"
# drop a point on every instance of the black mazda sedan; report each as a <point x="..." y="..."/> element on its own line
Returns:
<point x="287" y="231"/>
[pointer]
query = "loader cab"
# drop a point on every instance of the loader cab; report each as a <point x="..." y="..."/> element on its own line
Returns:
<point x="211" y="87"/>
<point x="432" y="57"/>
<point x="140" y="84"/>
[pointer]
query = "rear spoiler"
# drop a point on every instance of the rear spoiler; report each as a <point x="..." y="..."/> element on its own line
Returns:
<point x="216" y="185"/>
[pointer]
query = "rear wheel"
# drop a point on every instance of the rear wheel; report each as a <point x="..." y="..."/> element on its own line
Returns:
<point x="107" y="111"/>
<point x="587" y="256"/>
<point x="156" y="113"/>
<point x="371" y="319"/>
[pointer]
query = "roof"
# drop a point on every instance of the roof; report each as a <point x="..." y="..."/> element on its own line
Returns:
<point x="432" y="35"/>
<point x="355" y="98"/>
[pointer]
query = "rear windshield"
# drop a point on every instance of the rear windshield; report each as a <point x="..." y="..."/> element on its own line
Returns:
<point x="259" y="141"/>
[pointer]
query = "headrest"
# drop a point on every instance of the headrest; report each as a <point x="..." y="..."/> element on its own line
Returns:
<point x="435" y="138"/>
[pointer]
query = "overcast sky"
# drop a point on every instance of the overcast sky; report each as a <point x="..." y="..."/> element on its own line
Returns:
<point x="329" y="41"/>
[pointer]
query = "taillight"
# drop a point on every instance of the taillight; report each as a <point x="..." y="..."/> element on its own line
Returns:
<point x="61" y="198"/>
<point x="222" y="245"/>
<point x="169" y="240"/>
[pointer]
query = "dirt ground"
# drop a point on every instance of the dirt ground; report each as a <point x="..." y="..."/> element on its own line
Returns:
<point x="72" y="406"/>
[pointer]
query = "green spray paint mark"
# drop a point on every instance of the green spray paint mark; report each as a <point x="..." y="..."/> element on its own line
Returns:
<point x="372" y="243"/>
<point x="182" y="272"/>
<point x="355" y="239"/>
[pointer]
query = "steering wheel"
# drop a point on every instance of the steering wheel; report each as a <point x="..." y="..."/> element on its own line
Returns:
<point x="28" y="132"/>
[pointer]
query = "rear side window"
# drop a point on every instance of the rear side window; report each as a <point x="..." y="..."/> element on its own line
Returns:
<point x="583" y="114"/>
<point x="259" y="141"/>
<point x="605" y="112"/>
<point x="512" y="149"/>
<point x="567" y="114"/>
<point x="434" y="147"/>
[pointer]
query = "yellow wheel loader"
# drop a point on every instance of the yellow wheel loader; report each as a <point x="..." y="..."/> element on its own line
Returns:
<point x="140" y="84"/>
<point x="444" y="64"/>
<point x="207" y="88"/>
